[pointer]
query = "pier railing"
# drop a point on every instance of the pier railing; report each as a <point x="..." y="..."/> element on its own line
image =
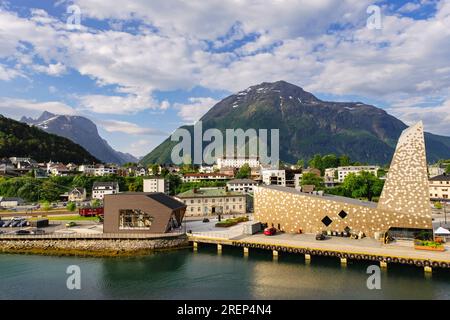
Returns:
<point x="88" y="236"/>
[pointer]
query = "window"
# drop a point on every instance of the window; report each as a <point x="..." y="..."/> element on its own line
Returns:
<point x="132" y="219"/>
<point x="326" y="221"/>
<point x="342" y="214"/>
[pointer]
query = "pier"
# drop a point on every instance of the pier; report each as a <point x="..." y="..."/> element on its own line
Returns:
<point x="343" y="249"/>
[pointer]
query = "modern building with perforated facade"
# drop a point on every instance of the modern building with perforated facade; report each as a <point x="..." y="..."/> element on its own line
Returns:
<point x="404" y="203"/>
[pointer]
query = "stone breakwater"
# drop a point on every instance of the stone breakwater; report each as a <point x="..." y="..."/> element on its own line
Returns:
<point x="92" y="247"/>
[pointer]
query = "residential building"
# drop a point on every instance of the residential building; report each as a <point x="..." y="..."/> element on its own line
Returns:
<point x="229" y="171"/>
<point x="274" y="177"/>
<point x="403" y="208"/>
<point x="142" y="212"/>
<point x="100" y="189"/>
<point x="206" y="169"/>
<point x="196" y="177"/>
<point x="10" y="202"/>
<point x="330" y="172"/>
<point x="87" y="169"/>
<point x="58" y="169"/>
<point x="345" y="171"/>
<point x="213" y="201"/>
<point x="101" y="170"/>
<point x="439" y="187"/>
<point x="313" y="171"/>
<point x="156" y="184"/>
<point x="77" y="195"/>
<point x="437" y="169"/>
<point x="238" y="162"/>
<point x="242" y="185"/>
<point x="291" y="175"/>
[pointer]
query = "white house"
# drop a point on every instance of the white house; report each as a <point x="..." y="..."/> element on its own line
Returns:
<point x="99" y="189"/>
<point x="238" y="162"/>
<point x="242" y="185"/>
<point x="196" y="177"/>
<point x="274" y="177"/>
<point x="345" y="171"/>
<point x="440" y="187"/>
<point x="156" y="185"/>
<point x="10" y="202"/>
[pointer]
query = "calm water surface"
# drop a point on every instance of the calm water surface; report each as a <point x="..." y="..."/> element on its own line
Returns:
<point x="206" y="275"/>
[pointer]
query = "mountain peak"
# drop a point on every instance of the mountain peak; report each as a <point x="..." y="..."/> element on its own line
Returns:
<point x="45" y="116"/>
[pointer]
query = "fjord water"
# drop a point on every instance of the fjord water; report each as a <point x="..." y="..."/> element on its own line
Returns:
<point x="183" y="274"/>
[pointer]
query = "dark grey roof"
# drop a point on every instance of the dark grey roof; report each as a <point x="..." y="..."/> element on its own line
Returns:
<point x="326" y="197"/>
<point x="162" y="198"/>
<point x="442" y="177"/>
<point x="105" y="184"/>
<point x="166" y="200"/>
<point x="242" y="181"/>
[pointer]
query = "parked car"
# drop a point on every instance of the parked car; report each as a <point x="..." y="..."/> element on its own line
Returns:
<point x="2" y="222"/>
<point x="38" y="231"/>
<point x="22" y="232"/>
<point x="320" y="236"/>
<point x="23" y="223"/>
<point x="70" y="224"/>
<point x="270" y="231"/>
<point x="7" y="223"/>
<point x="15" y="223"/>
<point x="205" y="220"/>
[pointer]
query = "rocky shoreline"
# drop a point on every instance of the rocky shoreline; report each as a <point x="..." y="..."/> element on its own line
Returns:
<point x="93" y="247"/>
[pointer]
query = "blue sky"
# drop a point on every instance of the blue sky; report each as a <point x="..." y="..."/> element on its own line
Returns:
<point x="142" y="69"/>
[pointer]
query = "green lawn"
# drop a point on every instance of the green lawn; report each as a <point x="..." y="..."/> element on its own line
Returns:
<point x="68" y="218"/>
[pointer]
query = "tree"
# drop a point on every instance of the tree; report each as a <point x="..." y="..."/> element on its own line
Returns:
<point x="344" y="160"/>
<point x="316" y="162"/>
<point x="301" y="163"/>
<point x="49" y="191"/>
<point x="330" y="161"/>
<point x="46" y="206"/>
<point x="71" y="206"/>
<point x="311" y="178"/>
<point x="244" y="172"/>
<point x="447" y="170"/>
<point x="363" y="185"/>
<point x="95" y="203"/>
<point x="155" y="169"/>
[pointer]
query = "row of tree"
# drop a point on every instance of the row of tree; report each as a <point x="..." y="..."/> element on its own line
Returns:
<point x="364" y="185"/>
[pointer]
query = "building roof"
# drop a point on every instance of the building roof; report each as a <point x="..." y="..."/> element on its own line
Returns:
<point x="166" y="200"/>
<point x="442" y="177"/>
<point x="218" y="174"/>
<point x="78" y="189"/>
<point x="242" y="181"/>
<point x="11" y="199"/>
<point x="160" y="197"/>
<point x="208" y="192"/>
<point x="105" y="184"/>
<point x="325" y="196"/>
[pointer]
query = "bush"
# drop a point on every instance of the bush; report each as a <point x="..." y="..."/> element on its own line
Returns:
<point x="231" y="222"/>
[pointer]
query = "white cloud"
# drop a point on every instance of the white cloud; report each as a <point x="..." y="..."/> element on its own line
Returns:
<point x="195" y="109"/>
<point x="55" y="69"/>
<point x="406" y="58"/>
<point x="409" y="7"/>
<point x="31" y="108"/>
<point x="129" y="128"/>
<point x="435" y="118"/>
<point x="7" y="74"/>
<point x="116" y="104"/>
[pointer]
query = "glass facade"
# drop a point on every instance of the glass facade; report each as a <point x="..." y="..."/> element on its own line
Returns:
<point x="134" y="219"/>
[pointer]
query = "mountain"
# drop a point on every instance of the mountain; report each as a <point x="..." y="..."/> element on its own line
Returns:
<point x="18" y="139"/>
<point x="309" y="126"/>
<point x="82" y="131"/>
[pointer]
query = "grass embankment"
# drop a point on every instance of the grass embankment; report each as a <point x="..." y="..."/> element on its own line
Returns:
<point x="67" y="218"/>
<point x="231" y="222"/>
<point x="88" y="253"/>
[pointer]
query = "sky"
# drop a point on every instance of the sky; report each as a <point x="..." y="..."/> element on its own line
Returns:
<point x="140" y="69"/>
